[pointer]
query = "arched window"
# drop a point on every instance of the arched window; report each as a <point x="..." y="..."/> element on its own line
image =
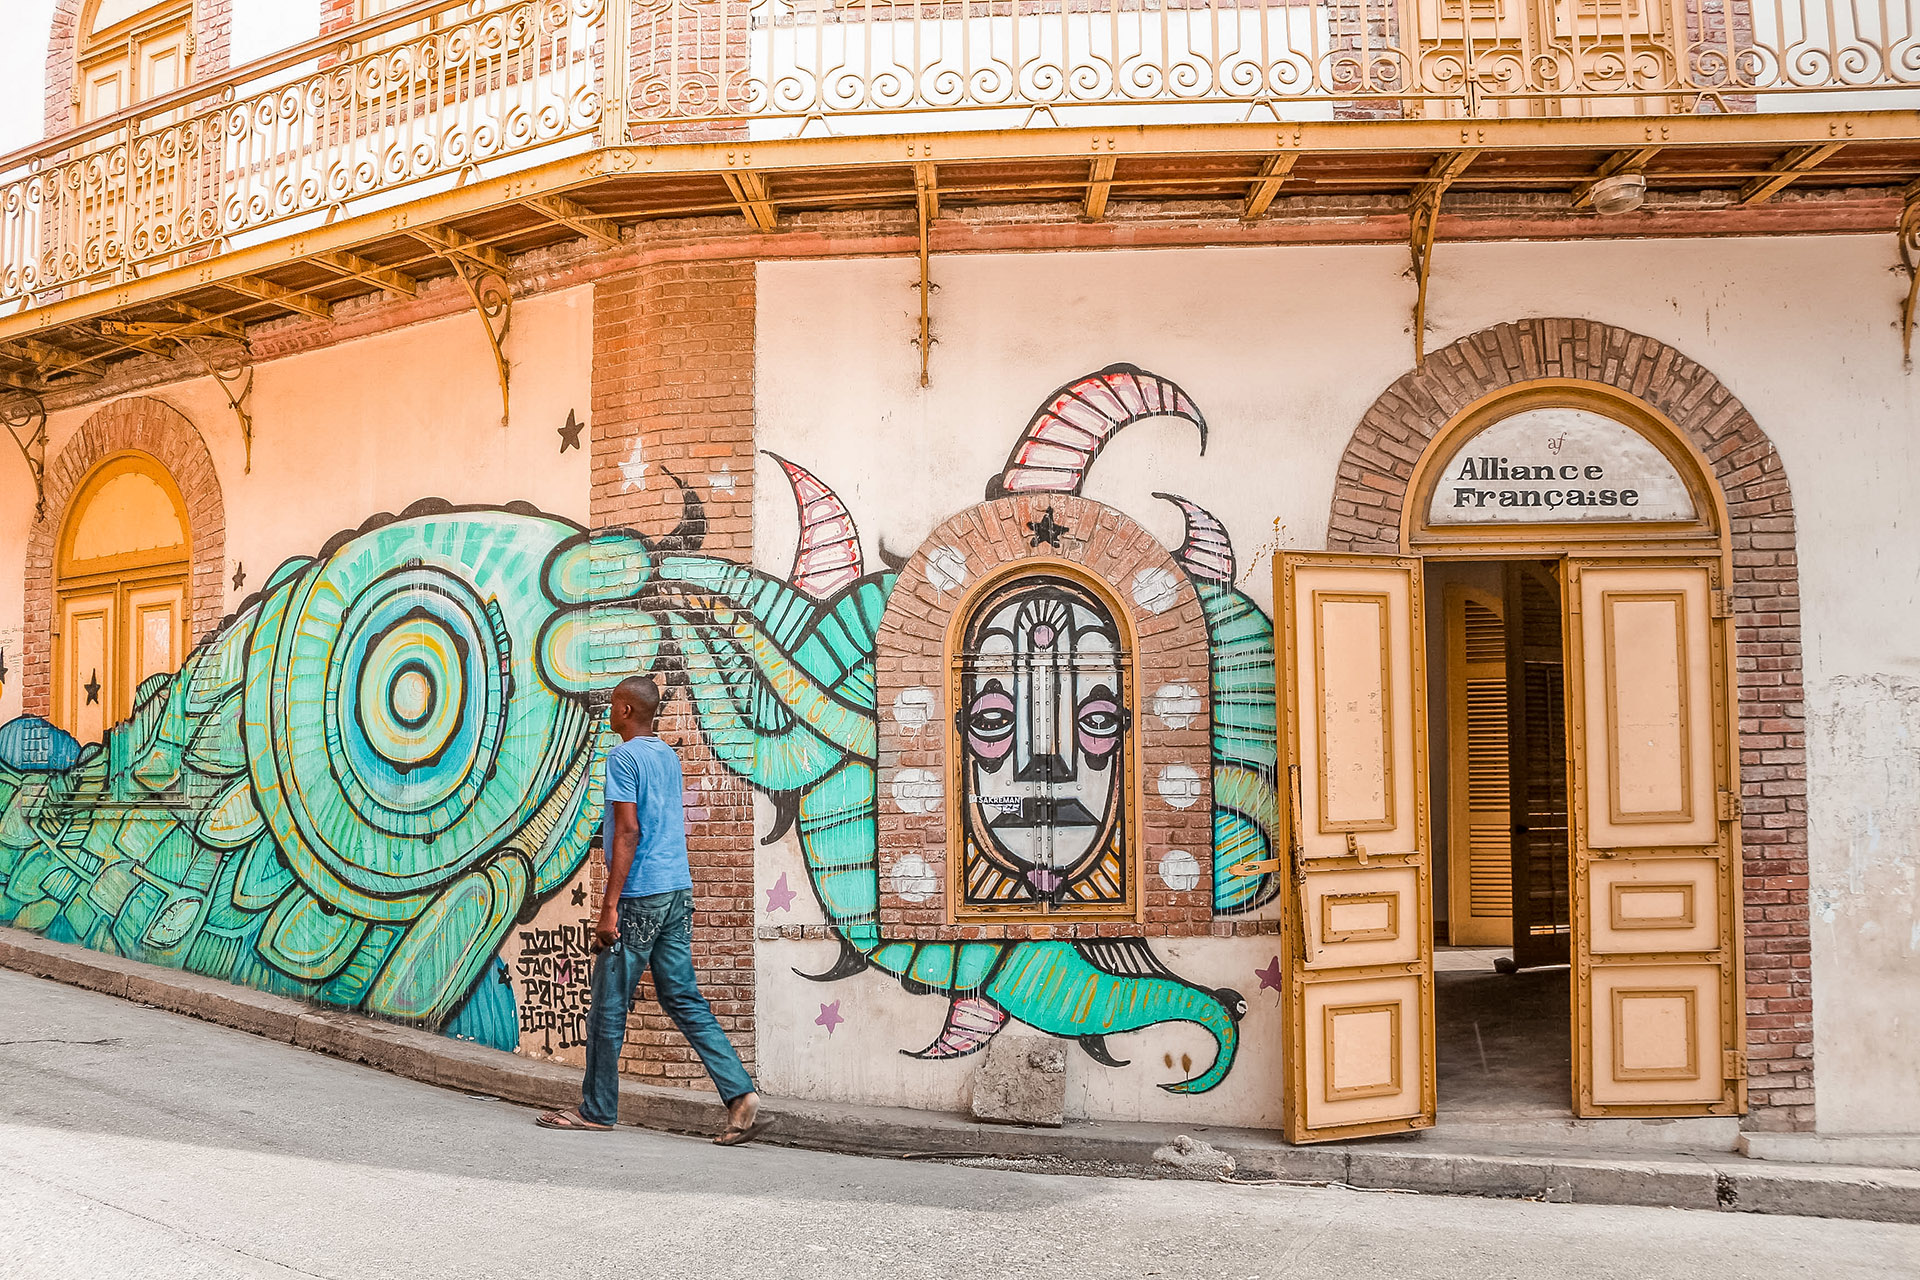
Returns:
<point x="120" y="603"/>
<point x="132" y="51"/>
<point x="1043" y="763"/>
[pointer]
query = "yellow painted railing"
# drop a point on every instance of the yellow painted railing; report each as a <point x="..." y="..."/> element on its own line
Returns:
<point x="446" y="89"/>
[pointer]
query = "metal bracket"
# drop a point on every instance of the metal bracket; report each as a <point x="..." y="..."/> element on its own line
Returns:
<point x="231" y="365"/>
<point x="493" y="299"/>
<point x="1423" y="219"/>
<point x="1910" y="263"/>
<point x="926" y="185"/>
<point x="25" y="416"/>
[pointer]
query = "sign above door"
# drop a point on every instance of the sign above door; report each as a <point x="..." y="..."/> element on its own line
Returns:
<point x="1559" y="465"/>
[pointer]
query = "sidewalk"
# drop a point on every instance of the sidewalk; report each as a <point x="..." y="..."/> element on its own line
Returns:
<point x="1565" y="1175"/>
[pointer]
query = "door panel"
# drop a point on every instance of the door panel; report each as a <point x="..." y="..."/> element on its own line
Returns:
<point x="1360" y="973"/>
<point x="1659" y="1022"/>
<point x="155" y="632"/>
<point x="1537" y="778"/>
<point x="88" y="657"/>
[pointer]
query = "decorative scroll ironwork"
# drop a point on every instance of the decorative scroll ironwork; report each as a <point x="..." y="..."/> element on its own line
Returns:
<point x="231" y="365"/>
<point x="1045" y="59"/>
<point x="25" y="415"/>
<point x="493" y="79"/>
<point x="493" y="301"/>
<point x="1042" y="725"/>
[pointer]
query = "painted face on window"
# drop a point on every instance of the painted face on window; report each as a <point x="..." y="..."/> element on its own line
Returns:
<point x="1041" y="724"/>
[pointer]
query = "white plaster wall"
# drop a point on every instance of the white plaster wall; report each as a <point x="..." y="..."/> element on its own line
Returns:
<point x="1284" y="349"/>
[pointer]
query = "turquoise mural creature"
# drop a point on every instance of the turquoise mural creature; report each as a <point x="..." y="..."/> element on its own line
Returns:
<point x="353" y="789"/>
<point x="346" y="794"/>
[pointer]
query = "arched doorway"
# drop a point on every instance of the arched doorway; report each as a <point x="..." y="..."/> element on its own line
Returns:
<point x="120" y="591"/>
<point x="1743" y="525"/>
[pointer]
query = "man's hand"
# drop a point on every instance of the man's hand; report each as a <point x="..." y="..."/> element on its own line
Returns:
<point x="606" y="932"/>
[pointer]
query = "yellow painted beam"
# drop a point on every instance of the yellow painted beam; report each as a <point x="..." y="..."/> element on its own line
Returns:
<point x="268" y="291"/>
<point x="1803" y="160"/>
<point x="453" y="244"/>
<point x="1260" y="195"/>
<point x="750" y="193"/>
<point x="569" y="214"/>
<point x="357" y="267"/>
<point x="1099" y="188"/>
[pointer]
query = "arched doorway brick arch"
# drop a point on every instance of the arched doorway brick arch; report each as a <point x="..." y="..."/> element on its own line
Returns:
<point x="1370" y="489"/>
<point x="152" y="427"/>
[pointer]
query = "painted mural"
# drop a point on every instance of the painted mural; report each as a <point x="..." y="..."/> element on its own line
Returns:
<point x="361" y="790"/>
<point x="349" y="793"/>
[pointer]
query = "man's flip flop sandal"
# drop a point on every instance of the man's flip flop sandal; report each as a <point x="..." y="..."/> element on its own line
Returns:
<point x="741" y="1137"/>
<point x="572" y="1121"/>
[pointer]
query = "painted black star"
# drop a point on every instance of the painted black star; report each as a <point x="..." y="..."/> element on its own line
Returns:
<point x="1045" y="530"/>
<point x="501" y="976"/>
<point x="92" y="686"/>
<point x="239" y="575"/>
<point x="570" y="434"/>
<point x="579" y="895"/>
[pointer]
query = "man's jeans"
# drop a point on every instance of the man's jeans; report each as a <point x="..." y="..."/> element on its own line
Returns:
<point x="655" y="931"/>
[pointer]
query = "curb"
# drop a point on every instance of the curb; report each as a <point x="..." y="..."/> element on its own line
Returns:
<point x="1730" y="1183"/>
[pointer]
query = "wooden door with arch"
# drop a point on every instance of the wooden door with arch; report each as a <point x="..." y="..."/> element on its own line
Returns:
<point x="1658" y="1022"/>
<point x="1358" y="973"/>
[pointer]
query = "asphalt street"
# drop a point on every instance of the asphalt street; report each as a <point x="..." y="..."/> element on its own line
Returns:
<point x="140" y="1143"/>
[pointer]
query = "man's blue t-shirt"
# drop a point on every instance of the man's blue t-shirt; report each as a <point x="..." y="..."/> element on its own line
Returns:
<point x="645" y="772"/>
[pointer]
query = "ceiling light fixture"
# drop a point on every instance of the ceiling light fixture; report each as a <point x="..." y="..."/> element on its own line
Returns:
<point x="1622" y="193"/>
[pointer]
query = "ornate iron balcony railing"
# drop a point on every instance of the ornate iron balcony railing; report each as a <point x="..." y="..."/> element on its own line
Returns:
<point x="445" y="90"/>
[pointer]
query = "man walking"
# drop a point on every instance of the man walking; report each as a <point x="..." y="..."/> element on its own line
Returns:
<point x="647" y="922"/>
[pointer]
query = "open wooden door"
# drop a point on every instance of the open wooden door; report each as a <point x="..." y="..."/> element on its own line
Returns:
<point x="1536" y="705"/>
<point x="1658" y="1020"/>
<point x="1359" y="967"/>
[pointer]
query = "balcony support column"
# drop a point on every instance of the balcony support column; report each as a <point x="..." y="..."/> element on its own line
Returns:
<point x="1423" y="219"/>
<point x="1910" y="263"/>
<point x="25" y="416"/>
<point x="231" y="365"/>
<point x="926" y="185"/>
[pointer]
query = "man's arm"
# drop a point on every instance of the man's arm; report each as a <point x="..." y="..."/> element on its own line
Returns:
<point x="626" y="838"/>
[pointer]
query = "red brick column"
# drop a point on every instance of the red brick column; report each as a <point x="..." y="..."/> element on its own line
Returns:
<point x="673" y="398"/>
<point x="1371" y="488"/>
<point x="154" y="428"/>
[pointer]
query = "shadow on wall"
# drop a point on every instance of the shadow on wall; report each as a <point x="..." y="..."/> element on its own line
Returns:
<point x="353" y="790"/>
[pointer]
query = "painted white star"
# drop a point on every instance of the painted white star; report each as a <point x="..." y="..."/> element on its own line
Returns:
<point x="634" y="470"/>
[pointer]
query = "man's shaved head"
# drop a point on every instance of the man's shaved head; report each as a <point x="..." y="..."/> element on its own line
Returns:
<point x="640" y="693"/>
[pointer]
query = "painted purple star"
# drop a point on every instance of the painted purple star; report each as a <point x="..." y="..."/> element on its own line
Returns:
<point x="780" y="898"/>
<point x="829" y="1017"/>
<point x="1270" y="976"/>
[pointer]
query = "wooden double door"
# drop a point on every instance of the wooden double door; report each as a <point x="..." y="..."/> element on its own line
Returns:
<point x="1651" y="842"/>
<point x="113" y="635"/>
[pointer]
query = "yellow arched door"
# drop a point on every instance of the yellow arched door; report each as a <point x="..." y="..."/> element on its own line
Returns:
<point x="120" y="603"/>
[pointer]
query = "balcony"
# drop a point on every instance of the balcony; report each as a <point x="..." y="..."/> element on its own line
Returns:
<point x="449" y="135"/>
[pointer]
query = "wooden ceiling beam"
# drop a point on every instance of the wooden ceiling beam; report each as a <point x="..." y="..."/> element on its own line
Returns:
<point x="1273" y="173"/>
<point x="1800" y="161"/>
<point x="356" y="267"/>
<point x="268" y="291"/>
<point x="750" y="193"/>
<point x="1099" y="188"/>
<point x="573" y="216"/>
<point x="451" y="243"/>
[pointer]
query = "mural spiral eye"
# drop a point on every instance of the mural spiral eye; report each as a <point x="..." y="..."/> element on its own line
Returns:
<point x="416" y="697"/>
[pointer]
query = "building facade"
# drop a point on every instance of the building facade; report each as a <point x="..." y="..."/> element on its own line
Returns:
<point x="1149" y="542"/>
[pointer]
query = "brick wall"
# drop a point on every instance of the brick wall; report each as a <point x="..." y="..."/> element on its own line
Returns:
<point x="1372" y="485"/>
<point x="154" y="428"/>
<point x="212" y="43"/>
<point x="673" y="397"/>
